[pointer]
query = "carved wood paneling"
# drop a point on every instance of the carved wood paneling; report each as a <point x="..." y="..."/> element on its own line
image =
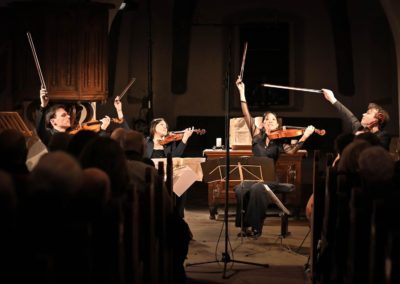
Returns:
<point x="71" y="42"/>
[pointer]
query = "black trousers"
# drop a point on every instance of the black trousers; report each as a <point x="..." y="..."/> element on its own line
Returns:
<point x="252" y="202"/>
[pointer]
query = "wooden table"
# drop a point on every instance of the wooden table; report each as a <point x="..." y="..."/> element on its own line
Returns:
<point x="288" y="170"/>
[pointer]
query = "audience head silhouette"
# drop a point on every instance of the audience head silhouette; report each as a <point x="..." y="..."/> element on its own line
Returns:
<point x="13" y="150"/>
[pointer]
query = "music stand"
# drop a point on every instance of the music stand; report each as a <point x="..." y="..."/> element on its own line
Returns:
<point x="225" y="255"/>
<point x="257" y="169"/>
<point x="215" y="170"/>
<point x="253" y="169"/>
<point x="12" y="120"/>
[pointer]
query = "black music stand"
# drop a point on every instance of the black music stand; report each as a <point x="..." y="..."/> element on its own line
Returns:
<point x="239" y="170"/>
<point x="254" y="169"/>
<point x="225" y="255"/>
<point x="215" y="170"/>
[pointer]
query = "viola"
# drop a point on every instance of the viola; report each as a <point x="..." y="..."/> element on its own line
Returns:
<point x="289" y="132"/>
<point x="178" y="135"/>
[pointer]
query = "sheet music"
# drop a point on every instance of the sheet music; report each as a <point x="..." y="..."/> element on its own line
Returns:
<point x="186" y="171"/>
<point x="183" y="178"/>
<point x="193" y="163"/>
<point x="276" y="200"/>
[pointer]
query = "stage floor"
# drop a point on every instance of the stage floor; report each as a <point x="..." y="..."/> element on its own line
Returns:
<point x="286" y="257"/>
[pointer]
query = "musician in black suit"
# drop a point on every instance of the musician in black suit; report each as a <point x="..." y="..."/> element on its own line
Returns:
<point x="55" y="119"/>
<point x="373" y="120"/>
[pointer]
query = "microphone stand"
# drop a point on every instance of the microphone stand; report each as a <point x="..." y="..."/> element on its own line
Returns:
<point x="149" y="99"/>
<point x="225" y="255"/>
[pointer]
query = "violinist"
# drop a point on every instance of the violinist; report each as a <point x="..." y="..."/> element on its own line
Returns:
<point x="252" y="201"/>
<point x="55" y="119"/>
<point x="373" y="120"/>
<point x="262" y="145"/>
<point x="155" y="148"/>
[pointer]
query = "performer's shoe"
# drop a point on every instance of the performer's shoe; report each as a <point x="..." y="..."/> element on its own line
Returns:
<point x="254" y="234"/>
<point x="244" y="233"/>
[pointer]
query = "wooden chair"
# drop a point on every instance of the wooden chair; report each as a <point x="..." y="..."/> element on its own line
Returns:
<point x="317" y="215"/>
<point x="327" y="236"/>
<point x="359" y="235"/>
<point x="392" y="257"/>
<point x="268" y="176"/>
<point x="385" y="231"/>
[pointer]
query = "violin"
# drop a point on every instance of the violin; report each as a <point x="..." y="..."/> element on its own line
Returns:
<point x="178" y="135"/>
<point x="291" y="131"/>
<point x="93" y="125"/>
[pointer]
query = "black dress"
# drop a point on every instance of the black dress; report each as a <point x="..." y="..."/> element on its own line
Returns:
<point x="173" y="148"/>
<point x="251" y="197"/>
<point x="176" y="150"/>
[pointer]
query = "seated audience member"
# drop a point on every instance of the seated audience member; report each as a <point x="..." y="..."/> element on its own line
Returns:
<point x="13" y="153"/>
<point x="348" y="166"/>
<point x="57" y="174"/>
<point x="49" y="235"/>
<point x="376" y="168"/>
<point x="341" y="142"/>
<point x="59" y="142"/>
<point x="78" y="142"/>
<point x="107" y="155"/>
<point x="371" y="138"/>
<point x="134" y="145"/>
<point x="118" y="135"/>
<point x="8" y="225"/>
<point x="95" y="194"/>
<point x="93" y="211"/>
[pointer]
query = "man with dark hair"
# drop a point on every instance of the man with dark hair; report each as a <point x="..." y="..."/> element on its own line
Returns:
<point x="373" y="120"/>
<point x="55" y="119"/>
